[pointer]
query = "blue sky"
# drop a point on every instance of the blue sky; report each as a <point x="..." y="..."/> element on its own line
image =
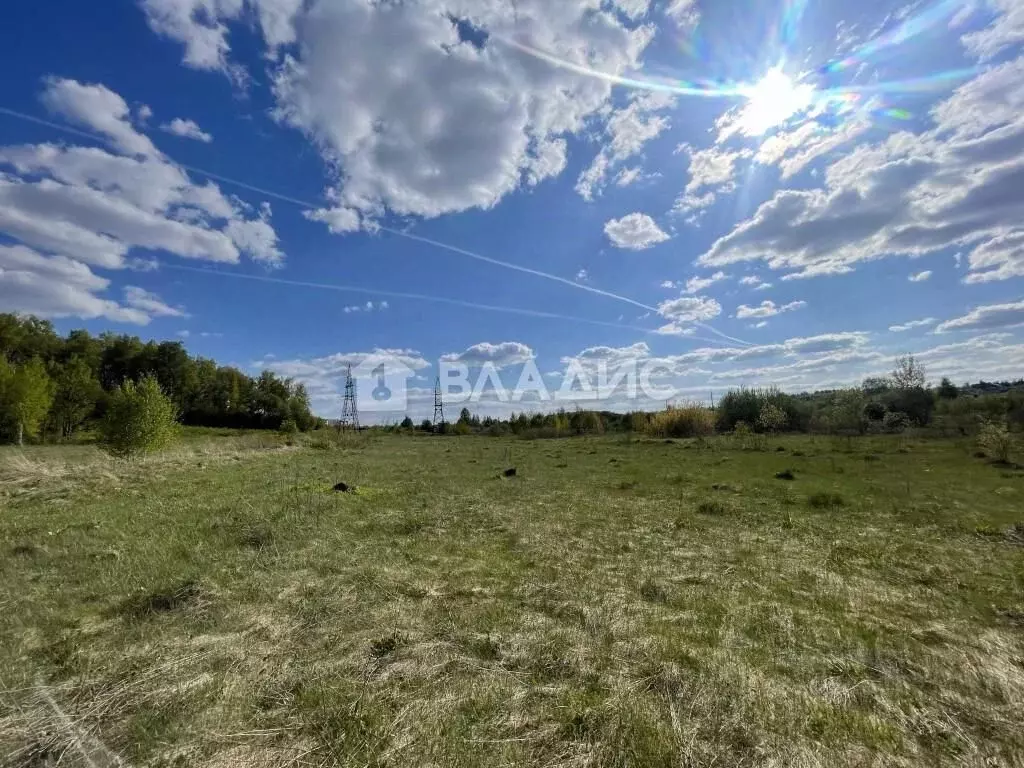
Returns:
<point x="755" y="193"/>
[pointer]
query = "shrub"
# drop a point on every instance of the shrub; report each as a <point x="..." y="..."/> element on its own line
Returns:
<point x="139" y="419"/>
<point x="895" y="421"/>
<point x="917" y="402"/>
<point x="690" y="420"/>
<point x="289" y="427"/>
<point x="772" y="418"/>
<point x="748" y="404"/>
<point x="846" y="412"/>
<point x="585" y="422"/>
<point x="995" y="440"/>
<point x="947" y="390"/>
<point x="875" y="411"/>
<point x="742" y="429"/>
<point x="636" y="421"/>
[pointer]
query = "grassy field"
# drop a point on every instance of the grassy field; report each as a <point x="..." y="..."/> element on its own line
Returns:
<point x="616" y="603"/>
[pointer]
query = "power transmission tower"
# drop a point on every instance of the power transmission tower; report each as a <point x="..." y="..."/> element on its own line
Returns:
<point x="349" y="410"/>
<point x="438" y="407"/>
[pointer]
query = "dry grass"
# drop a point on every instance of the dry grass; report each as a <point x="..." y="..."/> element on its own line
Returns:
<point x="676" y="607"/>
<point x="687" y="420"/>
<point x="55" y="471"/>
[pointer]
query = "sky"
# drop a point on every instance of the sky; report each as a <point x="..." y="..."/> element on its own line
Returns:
<point x="743" y="192"/>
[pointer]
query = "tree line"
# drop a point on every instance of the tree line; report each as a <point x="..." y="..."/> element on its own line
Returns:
<point x="52" y="386"/>
<point x="887" y="404"/>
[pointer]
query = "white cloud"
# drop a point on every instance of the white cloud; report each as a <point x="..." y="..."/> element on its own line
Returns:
<point x="369" y="306"/>
<point x="683" y="12"/>
<point x="986" y="317"/>
<point x="690" y="204"/>
<point x="755" y="282"/>
<point x="98" y="108"/>
<point x="690" y="309"/>
<point x="500" y="355"/>
<point x="955" y="185"/>
<point x="1000" y="258"/>
<point x="612" y="357"/>
<point x="150" y="303"/>
<point x="434" y="112"/>
<point x="794" y="150"/>
<point x="582" y="276"/>
<point x="910" y="325"/>
<point x="1008" y="30"/>
<point x="93" y="206"/>
<point x="338" y="220"/>
<point x="697" y="284"/>
<point x="920" y="277"/>
<point x="711" y="167"/>
<point x="676" y="329"/>
<point x="431" y="117"/>
<point x="324" y="377"/>
<point x="628" y="130"/>
<point x="56" y="286"/>
<point x="548" y="161"/>
<point x="187" y="129"/>
<point x="629" y="176"/>
<point x="73" y="205"/>
<point x="198" y="25"/>
<point x="633" y="9"/>
<point x="767" y="308"/>
<point x="635" y="232"/>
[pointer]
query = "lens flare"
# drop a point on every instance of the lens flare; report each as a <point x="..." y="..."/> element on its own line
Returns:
<point x="777" y="98"/>
<point x="909" y="28"/>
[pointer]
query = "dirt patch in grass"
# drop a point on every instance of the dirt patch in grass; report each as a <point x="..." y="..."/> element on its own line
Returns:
<point x="185" y="595"/>
<point x="712" y="507"/>
<point x="825" y="500"/>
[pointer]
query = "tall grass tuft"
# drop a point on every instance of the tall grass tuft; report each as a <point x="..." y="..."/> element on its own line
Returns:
<point x="688" y="420"/>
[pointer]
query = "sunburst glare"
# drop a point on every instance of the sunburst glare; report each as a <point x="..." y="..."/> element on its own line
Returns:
<point x="772" y="101"/>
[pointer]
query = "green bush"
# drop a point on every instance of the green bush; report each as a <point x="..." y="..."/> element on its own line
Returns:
<point x="772" y="418"/>
<point x="748" y="404"/>
<point x="995" y="440"/>
<point x="895" y="421"/>
<point x="875" y="411"/>
<point x="140" y="419"/>
<point x="917" y="402"/>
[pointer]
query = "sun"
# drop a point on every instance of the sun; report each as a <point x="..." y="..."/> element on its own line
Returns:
<point x="772" y="101"/>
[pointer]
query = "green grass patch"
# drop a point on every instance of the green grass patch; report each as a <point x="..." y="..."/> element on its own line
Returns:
<point x="619" y="603"/>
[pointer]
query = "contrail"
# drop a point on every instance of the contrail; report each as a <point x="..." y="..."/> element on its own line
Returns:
<point x="419" y="297"/>
<point x="397" y="232"/>
<point x="517" y="267"/>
